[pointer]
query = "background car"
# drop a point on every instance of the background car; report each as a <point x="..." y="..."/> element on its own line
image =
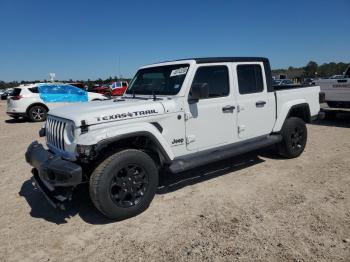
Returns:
<point x="79" y="85"/>
<point x="308" y="82"/>
<point x="35" y="100"/>
<point x="101" y="89"/>
<point x="6" y="93"/>
<point x="118" y="88"/>
<point x="283" y="82"/>
<point x="336" y="77"/>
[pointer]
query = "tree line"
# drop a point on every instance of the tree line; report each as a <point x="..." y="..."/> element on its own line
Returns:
<point x="90" y="83"/>
<point x="311" y="70"/>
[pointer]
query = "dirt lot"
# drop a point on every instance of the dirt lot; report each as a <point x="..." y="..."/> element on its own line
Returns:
<point x="252" y="208"/>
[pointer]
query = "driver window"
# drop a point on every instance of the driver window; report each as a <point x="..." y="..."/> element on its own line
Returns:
<point x="216" y="77"/>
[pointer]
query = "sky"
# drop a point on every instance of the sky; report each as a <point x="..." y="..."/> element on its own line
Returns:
<point x="96" y="39"/>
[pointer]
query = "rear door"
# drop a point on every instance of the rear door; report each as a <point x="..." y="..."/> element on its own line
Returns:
<point x="211" y="121"/>
<point x="256" y="106"/>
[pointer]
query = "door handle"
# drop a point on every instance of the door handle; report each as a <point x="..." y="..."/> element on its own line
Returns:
<point x="260" y="103"/>
<point x="227" y="109"/>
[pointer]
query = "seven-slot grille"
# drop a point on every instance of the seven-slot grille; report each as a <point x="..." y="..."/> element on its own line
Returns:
<point x="55" y="129"/>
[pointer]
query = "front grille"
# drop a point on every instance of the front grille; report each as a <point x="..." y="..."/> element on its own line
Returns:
<point x="55" y="129"/>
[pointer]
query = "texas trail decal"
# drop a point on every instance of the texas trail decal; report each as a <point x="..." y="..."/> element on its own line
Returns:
<point x="127" y="115"/>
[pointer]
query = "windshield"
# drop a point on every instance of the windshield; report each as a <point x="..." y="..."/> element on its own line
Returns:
<point x="161" y="80"/>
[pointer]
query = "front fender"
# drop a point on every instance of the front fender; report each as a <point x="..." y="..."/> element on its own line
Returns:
<point x="112" y="134"/>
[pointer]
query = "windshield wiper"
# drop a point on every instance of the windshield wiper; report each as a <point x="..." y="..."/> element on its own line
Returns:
<point x="154" y="95"/>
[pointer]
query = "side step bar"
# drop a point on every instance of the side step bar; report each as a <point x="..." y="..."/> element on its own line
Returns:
<point x="193" y="160"/>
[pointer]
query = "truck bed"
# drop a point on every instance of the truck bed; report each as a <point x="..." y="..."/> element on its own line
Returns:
<point x="284" y="87"/>
<point x="287" y="98"/>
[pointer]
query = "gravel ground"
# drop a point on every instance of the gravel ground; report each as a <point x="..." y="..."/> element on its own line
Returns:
<point x="253" y="208"/>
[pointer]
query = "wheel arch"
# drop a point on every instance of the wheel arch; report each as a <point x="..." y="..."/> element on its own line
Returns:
<point x="141" y="140"/>
<point x="298" y="109"/>
<point x="36" y="104"/>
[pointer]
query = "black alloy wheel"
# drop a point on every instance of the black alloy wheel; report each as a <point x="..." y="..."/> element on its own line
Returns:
<point x="128" y="185"/>
<point x="294" y="137"/>
<point x="124" y="184"/>
<point x="297" y="138"/>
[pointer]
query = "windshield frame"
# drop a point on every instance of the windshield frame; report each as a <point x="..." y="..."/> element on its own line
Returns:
<point x="155" y="69"/>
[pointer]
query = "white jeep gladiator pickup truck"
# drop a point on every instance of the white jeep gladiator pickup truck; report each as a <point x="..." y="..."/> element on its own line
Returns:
<point x="175" y="115"/>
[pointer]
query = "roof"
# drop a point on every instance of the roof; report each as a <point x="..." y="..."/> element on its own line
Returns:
<point x="229" y="59"/>
<point x="205" y="60"/>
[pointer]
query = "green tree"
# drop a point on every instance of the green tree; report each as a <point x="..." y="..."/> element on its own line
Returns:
<point x="310" y="69"/>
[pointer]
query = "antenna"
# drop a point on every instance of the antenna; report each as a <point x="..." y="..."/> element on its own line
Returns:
<point x="119" y="72"/>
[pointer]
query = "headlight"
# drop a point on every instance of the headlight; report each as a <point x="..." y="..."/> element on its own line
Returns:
<point x="70" y="133"/>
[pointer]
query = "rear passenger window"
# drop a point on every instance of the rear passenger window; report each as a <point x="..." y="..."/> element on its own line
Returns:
<point x="16" y="92"/>
<point x="34" y="89"/>
<point x="216" y="77"/>
<point x="250" y="79"/>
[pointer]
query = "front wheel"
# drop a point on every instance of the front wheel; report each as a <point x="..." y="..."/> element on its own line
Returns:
<point x="124" y="184"/>
<point x="37" y="113"/>
<point x="294" y="134"/>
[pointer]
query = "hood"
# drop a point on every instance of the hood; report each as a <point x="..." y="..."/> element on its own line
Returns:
<point x="96" y="112"/>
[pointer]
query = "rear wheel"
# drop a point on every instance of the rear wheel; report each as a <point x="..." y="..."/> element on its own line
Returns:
<point x="330" y="115"/>
<point x="332" y="104"/>
<point x="294" y="134"/>
<point x="124" y="184"/>
<point x="37" y="113"/>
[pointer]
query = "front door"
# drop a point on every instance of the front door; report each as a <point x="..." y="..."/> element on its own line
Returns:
<point x="211" y="121"/>
<point x="256" y="106"/>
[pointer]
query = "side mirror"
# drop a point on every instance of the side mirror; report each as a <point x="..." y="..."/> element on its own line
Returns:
<point x="198" y="91"/>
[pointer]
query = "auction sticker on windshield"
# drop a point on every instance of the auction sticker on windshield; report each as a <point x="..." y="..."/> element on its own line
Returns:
<point x="179" y="71"/>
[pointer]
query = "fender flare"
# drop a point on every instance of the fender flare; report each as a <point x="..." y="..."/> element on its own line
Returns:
<point x="104" y="143"/>
<point x="286" y="111"/>
<point x="149" y="130"/>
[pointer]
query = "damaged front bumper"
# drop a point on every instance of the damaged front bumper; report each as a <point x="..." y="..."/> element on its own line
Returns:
<point x="53" y="176"/>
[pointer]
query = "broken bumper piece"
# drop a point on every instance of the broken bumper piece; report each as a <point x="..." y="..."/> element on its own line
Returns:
<point x="53" y="176"/>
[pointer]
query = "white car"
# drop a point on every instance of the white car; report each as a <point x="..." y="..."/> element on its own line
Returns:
<point x="283" y="82"/>
<point x="35" y="100"/>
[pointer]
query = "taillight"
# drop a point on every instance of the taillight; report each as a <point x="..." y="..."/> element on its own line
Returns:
<point x="16" y="97"/>
<point x="322" y="98"/>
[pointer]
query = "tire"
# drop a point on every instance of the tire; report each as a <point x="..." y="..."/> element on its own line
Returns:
<point x="124" y="184"/>
<point x="330" y="115"/>
<point x="294" y="137"/>
<point x="37" y="113"/>
<point x="332" y="104"/>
